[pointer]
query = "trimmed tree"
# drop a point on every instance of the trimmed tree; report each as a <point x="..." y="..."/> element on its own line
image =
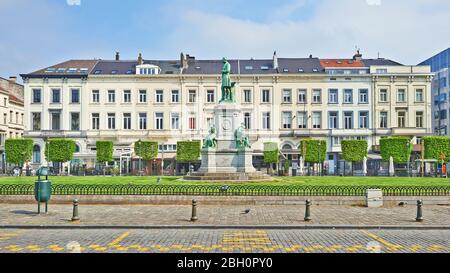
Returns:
<point x="435" y="146"/>
<point x="399" y="148"/>
<point x="271" y="154"/>
<point x="354" y="151"/>
<point x="59" y="150"/>
<point x="313" y="150"/>
<point x="104" y="152"/>
<point x="188" y="151"/>
<point x="147" y="150"/>
<point x="18" y="151"/>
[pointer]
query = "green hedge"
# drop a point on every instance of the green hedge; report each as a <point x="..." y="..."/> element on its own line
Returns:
<point x="313" y="150"/>
<point x="435" y="146"/>
<point x="399" y="148"/>
<point x="188" y="151"/>
<point x="354" y="150"/>
<point x="104" y="150"/>
<point x="147" y="150"/>
<point x="271" y="152"/>
<point x="18" y="151"/>
<point x="59" y="150"/>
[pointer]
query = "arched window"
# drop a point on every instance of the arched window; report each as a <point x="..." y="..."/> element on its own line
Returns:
<point x="77" y="148"/>
<point x="286" y="147"/>
<point x="36" y="154"/>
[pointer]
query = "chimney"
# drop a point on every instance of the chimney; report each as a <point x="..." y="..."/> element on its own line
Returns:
<point x="275" y="60"/>
<point x="12" y="79"/>
<point x="117" y="56"/>
<point x="357" y="56"/>
<point x="140" y="60"/>
<point x="310" y="56"/>
<point x="183" y="61"/>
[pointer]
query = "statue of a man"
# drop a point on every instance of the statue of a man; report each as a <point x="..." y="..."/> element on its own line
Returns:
<point x="242" y="141"/>
<point x="210" y="141"/>
<point x="227" y="85"/>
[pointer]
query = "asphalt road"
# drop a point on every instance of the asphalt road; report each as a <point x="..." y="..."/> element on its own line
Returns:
<point x="223" y="241"/>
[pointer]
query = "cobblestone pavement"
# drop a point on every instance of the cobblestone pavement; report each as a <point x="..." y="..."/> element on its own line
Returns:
<point x="223" y="215"/>
<point x="224" y="241"/>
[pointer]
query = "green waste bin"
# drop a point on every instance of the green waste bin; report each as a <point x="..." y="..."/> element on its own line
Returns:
<point x="42" y="188"/>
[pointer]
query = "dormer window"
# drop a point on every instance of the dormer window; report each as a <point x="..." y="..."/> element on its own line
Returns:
<point x="83" y="70"/>
<point x="285" y="70"/>
<point x="147" y="69"/>
<point x="248" y="67"/>
<point x="301" y="70"/>
<point x="114" y="72"/>
<point x="72" y="70"/>
<point x="61" y="70"/>
<point x="264" y="67"/>
<point x="315" y="70"/>
<point x="97" y="72"/>
<point x="50" y="69"/>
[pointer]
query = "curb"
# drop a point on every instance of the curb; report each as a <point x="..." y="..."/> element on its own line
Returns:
<point x="285" y="227"/>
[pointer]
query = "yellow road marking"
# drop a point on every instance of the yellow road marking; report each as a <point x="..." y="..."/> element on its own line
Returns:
<point x="119" y="239"/>
<point x="381" y="240"/>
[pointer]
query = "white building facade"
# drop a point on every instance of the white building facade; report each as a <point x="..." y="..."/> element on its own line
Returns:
<point x="282" y="100"/>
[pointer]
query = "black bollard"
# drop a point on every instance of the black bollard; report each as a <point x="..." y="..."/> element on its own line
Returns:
<point x="308" y="211"/>
<point x="419" y="217"/>
<point x="194" y="211"/>
<point x="75" y="217"/>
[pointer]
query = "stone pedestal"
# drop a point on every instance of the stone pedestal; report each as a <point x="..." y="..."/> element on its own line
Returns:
<point x="225" y="162"/>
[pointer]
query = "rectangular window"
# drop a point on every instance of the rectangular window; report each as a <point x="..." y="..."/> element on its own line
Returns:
<point x="302" y="96"/>
<point x="363" y="120"/>
<point x="192" y="123"/>
<point x="348" y="95"/>
<point x="287" y="96"/>
<point x="36" y="95"/>
<point x="317" y="120"/>
<point x="265" y="98"/>
<point x="75" y="96"/>
<point x="74" y="121"/>
<point x="95" y="96"/>
<point x="363" y="96"/>
<point x="175" y="121"/>
<point x="419" y="119"/>
<point x="56" y="96"/>
<point x="36" y="121"/>
<point x="401" y="95"/>
<point x="127" y="121"/>
<point x="333" y="120"/>
<point x="95" y="121"/>
<point x="302" y="120"/>
<point x="210" y="96"/>
<point x="56" y="121"/>
<point x="266" y="120"/>
<point x="111" y="121"/>
<point x="111" y="96"/>
<point x="192" y="96"/>
<point x="348" y="120"/>
<point x="159" y="96"/>
<point x="317" y="96"/>
<point x="127" y="96"/>
<point x="401" y="119"/>
<point x="142" y="121"/>
<point x="159" y="121"/>
<point x="248" y="120"/>
<point x="383" y="95"/>
<point x="333" y="96"/>
<point x="175" y="96"/>
<point x="287" y="120"/>
<point x="419" y="95"/>
<point x="142" y="96"/>
<point x="247" y="96"/>
<point x="383" y="120"/>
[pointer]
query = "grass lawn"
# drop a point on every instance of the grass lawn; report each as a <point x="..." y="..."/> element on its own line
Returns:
<point x="280" y="181"/>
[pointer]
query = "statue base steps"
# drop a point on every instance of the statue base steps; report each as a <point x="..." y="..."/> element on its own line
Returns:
<point x="236" y="177"/>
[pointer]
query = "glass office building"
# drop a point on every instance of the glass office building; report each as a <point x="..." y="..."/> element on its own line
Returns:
<point x="440" y="64"/>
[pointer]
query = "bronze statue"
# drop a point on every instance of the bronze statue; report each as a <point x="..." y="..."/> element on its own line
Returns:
<point x="242" y="141"/>
<point x="227" y="85"/>
<point x="210" y="141"/>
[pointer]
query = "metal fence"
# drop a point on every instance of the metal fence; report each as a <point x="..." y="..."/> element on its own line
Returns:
<point x="219" y="190"/>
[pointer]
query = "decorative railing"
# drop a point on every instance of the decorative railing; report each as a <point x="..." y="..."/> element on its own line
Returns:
<point x="221" y="190"/>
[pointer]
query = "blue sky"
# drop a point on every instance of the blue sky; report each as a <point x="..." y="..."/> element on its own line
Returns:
<point x="39" y="33"/>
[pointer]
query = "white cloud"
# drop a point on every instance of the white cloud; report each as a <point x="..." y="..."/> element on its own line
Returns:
<point x="400" y="30"/>
<point x="73" y="2"/>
